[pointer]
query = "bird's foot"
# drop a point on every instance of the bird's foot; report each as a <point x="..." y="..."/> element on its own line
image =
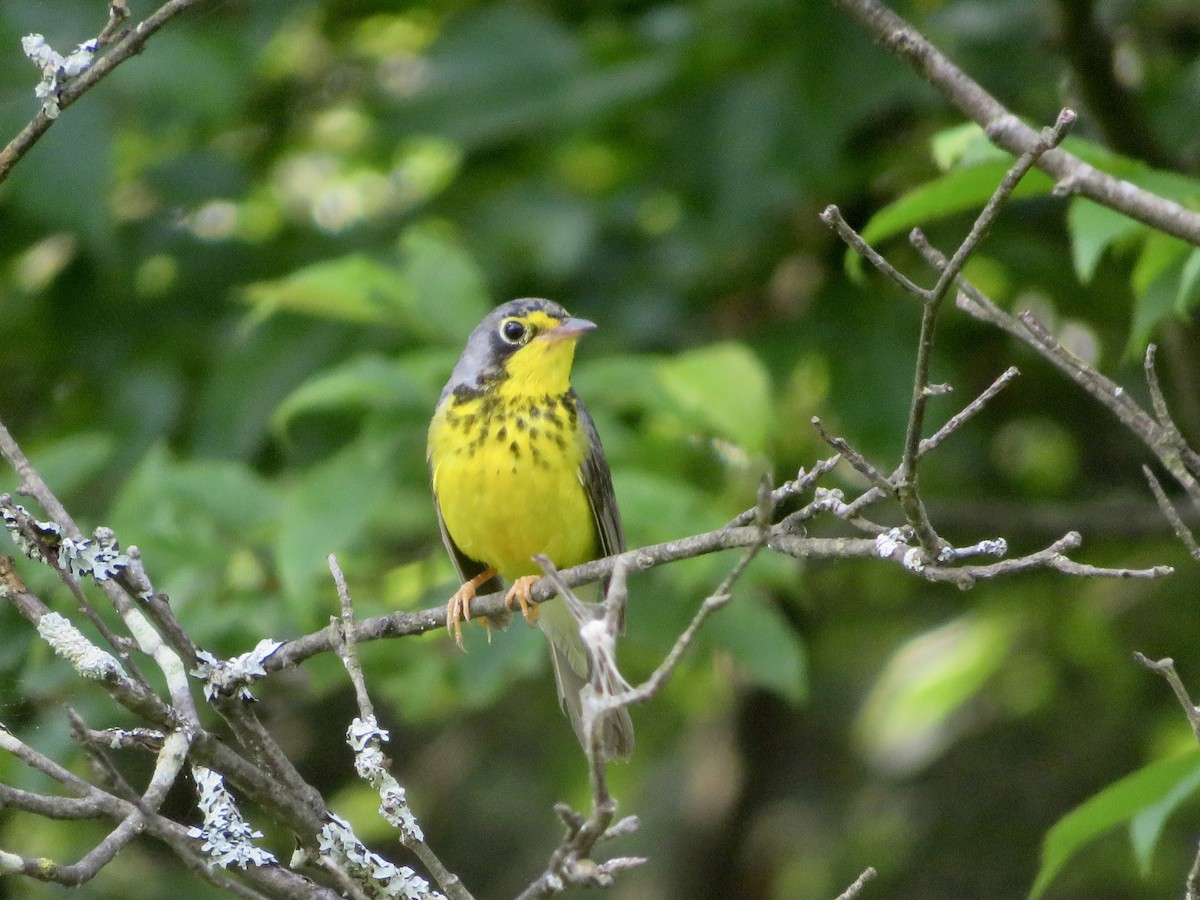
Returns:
<point x="458" y="610"/>
<point x="522" y="592"/>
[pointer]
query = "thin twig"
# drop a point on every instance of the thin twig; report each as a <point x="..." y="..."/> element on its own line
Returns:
<point x="802" y="483"/>
<point x="856" y="460"/>
<point x="832" y="216"/>
<point x="1171" y="514"/>
<point x="1049" y="138"/>
<point x="932" y="442"/>
<point x="348" y="645"/>
<point x="973" y="408"/>
<point x="728" y="538"/>
<point x="1189" y="457"/>
<point x="1165" y="445"/>
<point x="370" y="761"/>
<point x="717" y="599"/>
<point x="859" y="883"/>
<point x="906" y="483"/>
<point x="1166" y="668"/>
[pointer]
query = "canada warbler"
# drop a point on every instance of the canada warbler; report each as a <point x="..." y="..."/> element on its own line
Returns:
<point x="518" y="470"/>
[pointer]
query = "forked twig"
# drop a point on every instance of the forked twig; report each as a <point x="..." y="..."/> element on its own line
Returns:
<point x="905" y="483"/>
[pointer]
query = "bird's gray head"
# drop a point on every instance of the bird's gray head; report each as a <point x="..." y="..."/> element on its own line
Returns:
<point x="504" y="331"/>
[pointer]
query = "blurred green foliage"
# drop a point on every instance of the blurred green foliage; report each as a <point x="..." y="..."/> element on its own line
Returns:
<point x="235" y="276"/>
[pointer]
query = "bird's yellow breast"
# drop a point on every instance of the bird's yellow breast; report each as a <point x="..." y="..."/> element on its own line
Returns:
<point x="505" y="469"/>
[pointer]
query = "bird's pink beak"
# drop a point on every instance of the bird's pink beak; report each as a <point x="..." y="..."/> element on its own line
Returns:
<point x="568" y="329"/>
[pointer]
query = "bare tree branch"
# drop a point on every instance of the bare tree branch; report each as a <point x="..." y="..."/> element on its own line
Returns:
<point x="904" y="483"/>
<point x="367" y="740"/>
<point x="1008" y="132"/>
<point x="1171" y="513"/>
<point x="129" y="42"/>
<point x="1160" y="436"/>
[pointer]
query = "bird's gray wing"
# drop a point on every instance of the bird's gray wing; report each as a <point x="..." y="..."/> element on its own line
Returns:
<point x="597" y="484"/>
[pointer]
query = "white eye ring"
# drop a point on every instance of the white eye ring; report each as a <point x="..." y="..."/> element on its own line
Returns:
<point x="513" y="331"/>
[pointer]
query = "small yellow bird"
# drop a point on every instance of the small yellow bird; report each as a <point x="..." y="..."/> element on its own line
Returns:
<point x="518" y="470"/>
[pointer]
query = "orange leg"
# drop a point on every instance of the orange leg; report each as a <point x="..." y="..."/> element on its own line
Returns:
<point x="458" y="609"/>
<point x="522" y="592"/>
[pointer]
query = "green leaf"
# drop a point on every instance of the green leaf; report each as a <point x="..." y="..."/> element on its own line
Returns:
<point x="1146" y="827"/>
<point x="353" y="288"/>
<point x="435" y="290"/>
<point x="1157" y="286"/>
<point x="658" y="508"/>
<point x="958" y="191"/>
<point x="1093" y="229"/>
<point x="176" y="494"/>
<point x="723" y="389"/>
<point x="1150" y="308"/>
<point x="1135" y="794"/>
<point x="488" y="669"/>
<point x="69" y="462"/>
<point x="626" y="383"/>
<point x="498" y="72"/>
<point x="964" y="145"/>
<point x="445" y="282"/>
<point x="1161" y="253"/>
<point x="327" y="511"/>
<point x="764" y="646"/>
<point x="1189" y="284"/>
<point x="192" y="518"/>
<point x="364" y="383"/>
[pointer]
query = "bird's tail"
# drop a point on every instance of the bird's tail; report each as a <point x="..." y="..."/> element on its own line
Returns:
<point x="571" y="673"/>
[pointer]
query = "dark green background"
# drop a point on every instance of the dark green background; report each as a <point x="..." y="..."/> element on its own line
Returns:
<point x="234" y="276"/>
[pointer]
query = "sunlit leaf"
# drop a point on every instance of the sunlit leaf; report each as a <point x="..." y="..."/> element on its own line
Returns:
<point x="1161" y="253"/>
<point x="912" y="712"/>
<point x="1189" y="284"/>
<point x="1157" y="288"/>
<point x="1093" y="229"/>
<point x="1146" y="826"/>
<point x="958" y="191"/>
<point x="366" y="382"/>
<point x="353" y="288"/>
<point x="1133" y="795"/>
<point x="962" y="145"/>
<point x="445" y="283"/>
<point x="723" y="389"/>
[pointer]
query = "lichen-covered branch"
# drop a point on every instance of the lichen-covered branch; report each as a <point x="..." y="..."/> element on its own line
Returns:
<point x="79" y="72"/>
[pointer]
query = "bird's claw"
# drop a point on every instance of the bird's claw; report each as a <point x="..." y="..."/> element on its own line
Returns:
<point x="522" y="592"/>
<point x="458" y="610"/>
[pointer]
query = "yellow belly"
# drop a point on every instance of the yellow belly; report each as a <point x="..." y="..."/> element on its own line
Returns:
<point x="506" y="496"/>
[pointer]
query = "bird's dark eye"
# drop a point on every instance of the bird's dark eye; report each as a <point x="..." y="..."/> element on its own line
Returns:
<point x="513" y="331"/>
